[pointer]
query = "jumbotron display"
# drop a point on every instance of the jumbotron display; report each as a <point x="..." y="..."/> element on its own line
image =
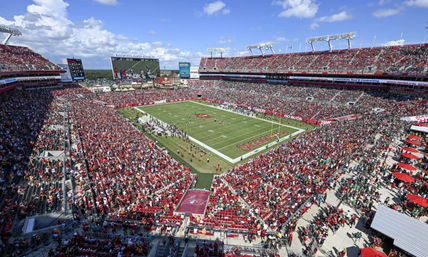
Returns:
<point x="184" y="69"/>
<point x="76" y="69"/>
<point x="135" y="67"/>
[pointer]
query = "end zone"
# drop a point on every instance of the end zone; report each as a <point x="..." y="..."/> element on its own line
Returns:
<point x="194" y="202"/>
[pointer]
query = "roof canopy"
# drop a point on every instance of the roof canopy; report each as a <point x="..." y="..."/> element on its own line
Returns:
<point x="409" y="234"/>
<point x="419" y="128"/>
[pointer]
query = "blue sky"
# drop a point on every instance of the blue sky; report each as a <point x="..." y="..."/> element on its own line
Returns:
<point x="182" y="30"/>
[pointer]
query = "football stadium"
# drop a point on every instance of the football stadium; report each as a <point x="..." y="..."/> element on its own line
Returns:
<point x="260" y="153"/>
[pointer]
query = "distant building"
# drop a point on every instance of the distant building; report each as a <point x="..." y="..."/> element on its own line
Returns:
<point x="194" y="72"/>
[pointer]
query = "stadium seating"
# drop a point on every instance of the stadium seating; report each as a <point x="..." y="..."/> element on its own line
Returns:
<point x="129" y="172"/>
<point x="120" y="174"/>
<point x="410" y="59"/>
<point x="18" y="58"/>
<point x="290" y="100"/>
<point x="214" y="249"/>
<point x="87" y="245"/>
<point x="225" y="211"/>
<point x="140" y="97"/>
<point x="29" y="128"/>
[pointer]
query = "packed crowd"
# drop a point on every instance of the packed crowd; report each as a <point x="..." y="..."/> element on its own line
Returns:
<point x="18" y="58"/>
<point x="141" y="97"/>
<point x="130" y="174"/>
<point x="361" y="189"/>
<point x="321" y="103"/>
<point x="87" y="245"/>
<point x="212" y="249"/>
<point x="122" y="174"/>
<point x="391" y="59"/>
<point x="371" y="182"/>
<point x="30" y="129"/>
<point x="226" y="211"/>
<point x="310" y="168"/>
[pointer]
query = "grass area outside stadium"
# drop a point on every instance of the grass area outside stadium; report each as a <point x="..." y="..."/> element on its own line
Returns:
<point x="217" y="135"/>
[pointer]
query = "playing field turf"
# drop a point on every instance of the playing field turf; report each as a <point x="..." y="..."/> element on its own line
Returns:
<point x="228" y="134"/>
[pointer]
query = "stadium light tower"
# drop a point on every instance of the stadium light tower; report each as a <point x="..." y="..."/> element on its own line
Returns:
<point x="261" y="46"/>
<point x="347" y="36"/>
<point x="216" y="50"/>
<point x="10" y="31"/>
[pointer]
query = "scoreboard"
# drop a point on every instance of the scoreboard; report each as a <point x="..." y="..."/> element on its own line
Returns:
<point x="135" y="67"/>
<point x="75" y="67"/>
<point x="184" y="70"/>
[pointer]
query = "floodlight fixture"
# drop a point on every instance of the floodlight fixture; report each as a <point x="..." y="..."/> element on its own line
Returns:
<point x="216" y="50"/>
<point x="346" y="36"/>
<point x="261" y="47"/>
<point x="10" y="31"/>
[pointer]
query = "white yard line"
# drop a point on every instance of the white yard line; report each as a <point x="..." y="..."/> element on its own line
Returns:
<point x="249" y="133"/>
<point x="244" y="156"/>
<point x="266" y="146"/>
<point x="245" y="139"/>
<point x="227" y="158"/>
<point x="257" y="118"/>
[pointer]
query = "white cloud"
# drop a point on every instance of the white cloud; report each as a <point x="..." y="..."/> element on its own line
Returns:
<point x="266" y="42"/>
<point x="48" y="8"/>
<point x="314" y="25"/>
<point x="298" y="8"/>
<point x="342" y="16"/>
<point x="399" y="42"/>
<point x="47" y="30"/>
<point x="5" y="22"/>
<point x="284" y="39"/>
<point x="108" y="2"/>
<point x="417" y="3"/>
<point x="281" y="39"/>
<point x="215" y="8"/>
<point x="381" y="13"/>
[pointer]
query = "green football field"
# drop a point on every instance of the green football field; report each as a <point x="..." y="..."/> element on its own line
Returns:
<point x="227" y="134"/>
